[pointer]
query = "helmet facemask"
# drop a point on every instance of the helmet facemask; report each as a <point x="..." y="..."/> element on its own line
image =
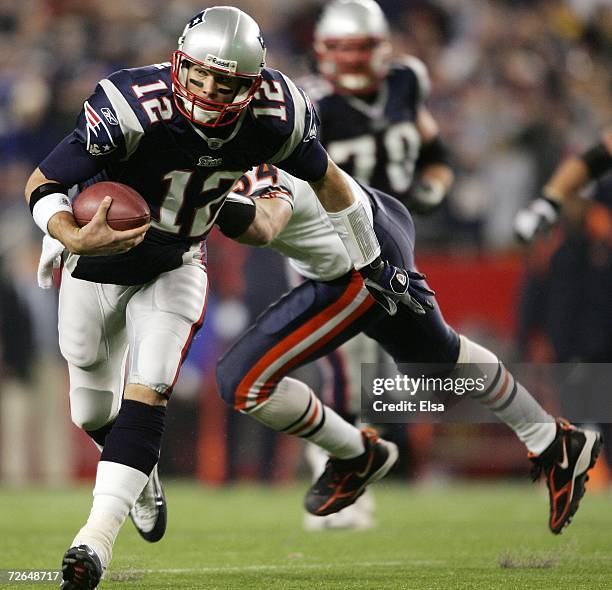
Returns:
<point x="355" y="65"/>
<point x="203" y="111"/>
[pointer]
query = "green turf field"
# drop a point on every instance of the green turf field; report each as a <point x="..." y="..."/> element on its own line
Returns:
<point x="453" y="537"/>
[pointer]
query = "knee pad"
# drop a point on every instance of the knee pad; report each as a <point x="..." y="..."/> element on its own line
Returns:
<point x="91" y="409"/>
<point x="83" y="346"/>
<point x="156" y="359"/>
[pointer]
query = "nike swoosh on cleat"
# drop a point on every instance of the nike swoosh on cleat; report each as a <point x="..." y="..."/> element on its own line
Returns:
<point x="564" y="464"/>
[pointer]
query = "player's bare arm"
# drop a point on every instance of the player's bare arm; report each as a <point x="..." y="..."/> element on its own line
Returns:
<point x="96" y="238"/>
<point x="271" y="216"/>
<point x="436" y="176"/>
<point x="430" y="132"/>
<point x="332" y="190"/>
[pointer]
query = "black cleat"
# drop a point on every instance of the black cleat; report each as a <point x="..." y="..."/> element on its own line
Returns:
<point x="344" y="480"/>
<point x="150" y="513"/>
<point x="565" y="464"/>
<point x="81" y="569"/>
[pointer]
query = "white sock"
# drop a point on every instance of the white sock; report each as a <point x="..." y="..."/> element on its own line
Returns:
<point x="294" y="408"/>
<point x="117" y="488"/>
<point x="509" y="400"/>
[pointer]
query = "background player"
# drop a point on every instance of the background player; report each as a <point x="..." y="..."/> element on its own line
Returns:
<point x="573" y="174"/>
<point x="180" y="134"/>
<point x="331" y="306"/>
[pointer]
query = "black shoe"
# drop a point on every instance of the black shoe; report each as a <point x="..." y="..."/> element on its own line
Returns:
<point x="150" y="513"/>
<point x="81" y="569"/>
<point x="344" y="480"/>
<point x="565" y="464"/>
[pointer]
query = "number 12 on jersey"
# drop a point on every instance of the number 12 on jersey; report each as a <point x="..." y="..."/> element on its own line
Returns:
<point x="189" y="209"/>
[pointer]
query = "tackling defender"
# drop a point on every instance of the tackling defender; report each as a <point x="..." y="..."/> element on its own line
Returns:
<point x="180" y="134"/>
<point x="331" y="306"/>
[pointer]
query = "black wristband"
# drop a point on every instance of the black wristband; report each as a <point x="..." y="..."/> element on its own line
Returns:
<point x="434" y="152"/>
<point x="552" y="202"/>
<point x="373" y="269"/>
<point x="49" y="188"/>
<point x="598" y="160"/>
<point x="236" y="216"/>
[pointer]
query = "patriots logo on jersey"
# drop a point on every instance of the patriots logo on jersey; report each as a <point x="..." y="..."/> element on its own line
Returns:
<point x="312" y="132"/>
<point x="99" y="138"/>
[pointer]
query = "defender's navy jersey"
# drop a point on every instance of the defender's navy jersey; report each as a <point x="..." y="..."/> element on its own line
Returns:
<point x="376" y="143"/>
<point x="130" y="131"/>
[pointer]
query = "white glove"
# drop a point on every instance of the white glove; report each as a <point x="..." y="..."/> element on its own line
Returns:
<point x="538" y="217"/>
<point x="50" y="258"/>
<point x="426" y="195"/>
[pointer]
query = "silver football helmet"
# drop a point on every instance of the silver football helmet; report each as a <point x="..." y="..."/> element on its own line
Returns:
<point x="224" y="41"/>
<point x="352" y="45"/>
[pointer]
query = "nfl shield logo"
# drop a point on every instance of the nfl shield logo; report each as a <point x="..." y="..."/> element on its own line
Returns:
<point x="214" y="143"/>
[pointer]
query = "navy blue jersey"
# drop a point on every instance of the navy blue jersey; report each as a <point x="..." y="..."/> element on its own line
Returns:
<point x="377" y="143"/>
<point x="130" y="131"/>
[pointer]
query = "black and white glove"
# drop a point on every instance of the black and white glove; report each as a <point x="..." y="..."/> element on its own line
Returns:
<point x="389" y="285"/>
<point x="538" y="217"/>
<point x="425" y="196"/>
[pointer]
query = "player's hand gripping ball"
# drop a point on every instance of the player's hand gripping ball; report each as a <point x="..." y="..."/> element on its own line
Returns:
<point x="127" y="211"/>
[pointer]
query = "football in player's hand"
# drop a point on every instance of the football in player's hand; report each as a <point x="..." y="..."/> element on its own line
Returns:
<point x="127" y="211"/>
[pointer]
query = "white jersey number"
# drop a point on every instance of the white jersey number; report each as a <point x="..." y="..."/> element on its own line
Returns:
<point x="401" y="149"/>
<point x="177" y="216"/>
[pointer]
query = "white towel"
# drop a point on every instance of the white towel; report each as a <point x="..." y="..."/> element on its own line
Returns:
<point x="50" y="258"/>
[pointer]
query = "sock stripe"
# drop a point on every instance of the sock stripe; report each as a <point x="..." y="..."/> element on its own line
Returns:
<point x="509" y="400"/>
<point x="316" y="413"/>
<point x="295" y="422"/>
<point x="503" y="390"/>
<point x="493" y="384"/>
<point x="316" y="428"/>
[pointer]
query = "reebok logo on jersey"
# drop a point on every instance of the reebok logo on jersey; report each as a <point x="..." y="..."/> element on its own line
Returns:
<point x="209" y="162"/>
<point x="109" y="116"/>
<point x="228" y="65"/>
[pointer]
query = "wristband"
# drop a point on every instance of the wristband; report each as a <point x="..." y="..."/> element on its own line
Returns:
<point x="357" y="234"/>
<point x="236" y="215"/>
<point x="46" y="206"/>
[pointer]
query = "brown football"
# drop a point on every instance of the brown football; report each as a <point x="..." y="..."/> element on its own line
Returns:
<point x="127" y="211"/>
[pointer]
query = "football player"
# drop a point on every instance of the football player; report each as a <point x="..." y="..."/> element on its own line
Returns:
<point x="374" y="120"/>
<point x="333" y="305"/>
<point x="573" y="174"/>
<point x="181" y="134"/>
<point x="376" y="126"/>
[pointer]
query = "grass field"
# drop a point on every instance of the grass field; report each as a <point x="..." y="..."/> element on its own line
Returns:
<point x="456" y="537"/>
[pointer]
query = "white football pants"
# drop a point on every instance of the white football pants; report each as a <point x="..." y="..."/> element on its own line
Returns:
<point x="112" y="335"/>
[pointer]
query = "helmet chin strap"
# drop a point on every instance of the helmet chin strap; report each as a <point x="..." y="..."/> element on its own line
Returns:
<point x="199" y="114"/>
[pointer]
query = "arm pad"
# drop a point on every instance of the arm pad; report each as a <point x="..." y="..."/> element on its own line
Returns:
<point x="236" y="215"/>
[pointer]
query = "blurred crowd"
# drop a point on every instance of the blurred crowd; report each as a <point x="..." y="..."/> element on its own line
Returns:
<point x="516" y="85"/>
